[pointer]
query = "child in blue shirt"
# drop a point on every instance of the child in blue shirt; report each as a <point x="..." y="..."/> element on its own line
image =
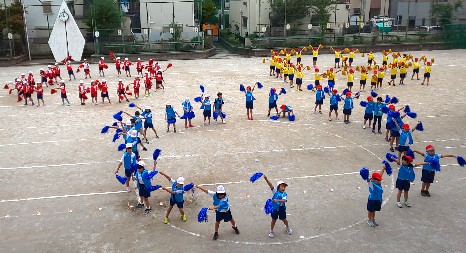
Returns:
<point x="396" y="127"/>
<point x="187" y="109"/>
<point x="221" y="207"/>
<point x="377" y="111"/>
<point x="144" y="185"/>
<point x="286" y="109"/>
<point x="428" y="173"/>
<point x="249" y="102"/>
<point x="369" y="112"/>
<point x="176" y="197"/>
<point x="218" y="104"/>
<point x="374" y="201"/>
<point x="334" y="99"/>
<point x="207" y="108"/>
<point x="127" y="159"/>
<point x="138" y="122"/>
<point x="347" y="107"/>
<point x="320" y="96"/>
<point x="273" y="97"/>
<point x="170" y="116"/>
<point x="279" y="200"/>
<point x="405" y="177"/>
<point x="147" y="116"/>
<point x="406" y="140"/>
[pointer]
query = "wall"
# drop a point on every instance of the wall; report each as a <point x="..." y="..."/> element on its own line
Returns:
<point x="418" y="10"/>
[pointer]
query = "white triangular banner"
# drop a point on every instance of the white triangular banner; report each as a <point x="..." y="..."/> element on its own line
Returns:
<point x="66" y="38"/>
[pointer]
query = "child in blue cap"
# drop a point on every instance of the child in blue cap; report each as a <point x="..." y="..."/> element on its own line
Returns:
<point x="279" y="207"/>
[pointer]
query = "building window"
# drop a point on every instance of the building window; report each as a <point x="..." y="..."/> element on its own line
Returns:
<point x="245" y="22"/>
<point x="47" y="7"/>
<point x="423" y="21"/>
<point x="70" y="6"/>
<point x="357" y="11"/>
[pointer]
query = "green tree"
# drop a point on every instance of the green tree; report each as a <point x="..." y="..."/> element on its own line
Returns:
<point x="295" y="10"/>
<point x="105" y="17"/>
<point x="11" y="18"/>
<point x="444" y="11"/>
<point x="321" y="10"/>
<point x="209" y="10"/>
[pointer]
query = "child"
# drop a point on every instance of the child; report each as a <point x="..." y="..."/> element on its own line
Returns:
<point x="138" y="122"/>
<point x="369" y="112"/>
<point x="101" y="67"/>
<point x="82" y="92"/>
<point x="333" y="105"/>
<point x="380" y="77"/>
<point x="428" y="173"/>
<point x="147" y="116"/>
<point x="170" y="116"/>
<point x="144" y="186"/>
<point x="374" y="201"/>
<point x="351" y="57"/>
<point x="286" y="109"/>
<point x="104" y="91"/>
<point x="132" y="137"/>
<point x="350" y="79"/>
<point x="405" y="177"/>
<point x="426" y="74"/>
<point x="147" y="84"/>
<point x="291" y="71"/>
<point x="159" y="80"/>
<point x="63" y="93"/>
<point x="56" y="71"/>
<point x="374" y="79"/>
<point x="43" y="77"/>
<point x="136" y="86"/>
<point x="279" y="200"/>
<point x="347" y="107"/>
<point x="315" y="53"/>
<point x="221" y="207"/>
<point x="139" y="67"/>
<point x="207" y="108"/>
<point x="70" y="70"/>
<point x="87" y="71"/>
<point x="377" y="111"/>
<point x="187" y="109"/>
<point x="385" y="59"/>
<point x="403" y="73"/>
<point x="370" y="58"/>
<point x="126" y="160"/>
<point x="406" y="139"/>
<point x="299" y="78"/>
<point x="40" y="94"/>
<point x="272" y="66"/>
<point x="273" y="97"/>
<point x="218" y="104"/>
<point x="396" y="127"/>
<point x="278" y="68"/>
<point x="126" y="64"/>
<point x="317" y="78"/>
<point x="337" y="57"/>
<point x="121" y="91"/>
<point x="298" y="56"/>
<point x="288" y="57"/>
<point x="393" y="72"/>
<point x="94" y="88"/>
<point x="176" y="196"/>
<point x="249" y="102"/>
<point x="320" y="96"/>
<point x="362" y="82"/>
<point x="118" y="66"/>
<point x="416" y="67"/>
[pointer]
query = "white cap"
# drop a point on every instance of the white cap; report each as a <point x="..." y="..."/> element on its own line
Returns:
<point x="62" y="81"/>
<point x="118" y="58"/>
<point x="207" y="96"/>
<point x="139" y="59"/>
<point x="104" y="80"/>
<point x="85" y="59"/>
<point x="146" y="107"/>
<point x="133" y="133"/>
<point x="24" y="82"/>
<point x="41" y="69"/>
<point x="137" y="76"/>
<point x="220" y="189"/>
<point x="168" y="103"/>
<point x="157" y="62"/>
<point x="81" y="81"/>
<point x="186" y="99"/>
<point x="129" y="145"/>
<point x="30" y="72"/>
<point x="281" y="182"/>
<point x="56" y="63"/>
<point x="180" y="180"/>
<point x="49" y="66"/>
<point x="120" y="80"/>
<point x="18" y="80"/>
<point x="23" y="74"/>
<point x="128" y="122"/>
<point x="141" y="163"/>
<point x="102" y="57"/>
<point x="126" y="59"/>
<point x="68" y="61"/>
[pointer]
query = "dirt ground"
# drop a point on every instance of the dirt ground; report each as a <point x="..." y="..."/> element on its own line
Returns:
<point x="59" y="192"/>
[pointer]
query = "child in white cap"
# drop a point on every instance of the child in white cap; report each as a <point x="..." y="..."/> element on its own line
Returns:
<point x="139" y="67"/>
<point x="187" y="109"/>
<point x="87" y="70"/>
<point x="82" y="92"/>
<point x="126" y="160"/>
<point x="101" y="67"/>
<point x="207" y="108"/>
<point x="147" y="116"/>
<point x="221" y="207"/>
<point x="144" y="185"/>
<point x="126" y="64"/>
<point x="170" y="116"/>
<point x="118" y="66"/>
<point x="176" y="195"/>
<point x="121" y="91"/>
<point x="279" y="207"/>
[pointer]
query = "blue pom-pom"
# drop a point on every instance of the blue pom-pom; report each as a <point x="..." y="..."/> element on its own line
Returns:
<point x="363" y="103"/>
<point x="121" y="179"/>
<point x="283" y="91"/>
<point x="344" y="92"/>
<point x="292" y="117"/>
<point x="241" y="87"/>
<point x="326" y="90"/>
<point x="197" y="99"/>
<point x="434" y="163"/>
<point x="224" y="115"/>
<point x="391" y="157"/>
<point x="255" y="177"/>
<point x="388" y="167"/>
<point x="410" y="152"/>
<point x="185" y="116"/>
<point x="268" y="207"/>
<point x="385" y="109"/>
<point x="419" y="126"/>
<point x="259" y="85"/>
<point x="387" y="99"/>
<point x="191" y="115"/>
<point x="115" y="124"/>
<point x="121" y="147"/>
<point x="104" y="129"/>
<point x="202" y="107"/>
<point x="394" y="100"/>
<point x="364" y="172"/>
<point x="188" y="187"/>
<point x="154" y="188"/>
<point x="412" y="115"/>
<point x="117" y="117"/>
<point x="275" y="117"/>
<point x="216" y="115"/>
<point x="131" y="105"/>
<point x="151" y="174"/>
<point x="202" y="88"/>
<point x="460" y="161"/>
<point x="156" y="154"/>
<point x="310" y="87"/>
<point x="116" y="136"/>
<point x="338" y="98"/>
<point x="202" y="216"/>
<point x="395" y="114"/>
<point x="118" y="130"/>
<point x="374" y="94"/>
<point x="407" y="109"/>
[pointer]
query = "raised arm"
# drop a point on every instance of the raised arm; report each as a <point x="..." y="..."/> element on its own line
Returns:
<point x="419" y="152"/>
<point x="268" y="182"/>
<point x="202" y="189"/>
<point x="442" y="156"/>
<point x="165" y="175"/>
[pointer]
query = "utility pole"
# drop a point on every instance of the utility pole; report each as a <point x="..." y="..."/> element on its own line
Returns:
<point x="284" y="25"/>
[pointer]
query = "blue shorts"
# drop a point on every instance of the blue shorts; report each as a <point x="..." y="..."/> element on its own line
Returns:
<point x="379" y="80"/>
<point x="104" y="94"/>
<point x="368" y="116"/>
<point x="273" y="105"/>
<point x="394" y="133"/>
<point x="118" y="68"/>
<point x="63" y="95"/>
<point x="337" y="60"/>
<point x="128" y="173"/>
<point x="427" y="75"/>
<point x="291" y="77"/>
<point x="101" y="68"/>
<point x="369" y="61"/>
<point x="317" y="82"/>
<point x="40" y="96"/>
<point x="277" y="70"/>
<point x="402" y="75"/>
<point x="143" y="192"/>
<point x="347" y="111"/>
<point x="415" y="70"/>
<point x="351" y="59"/>
<point x="207" y="113"/>
<point x="225" y="216"/>
<point x="299" y="81"/>
<point x="279" y="214"/>
<point x="384" y="62"/>
<point x="127" y="68"/>
<point x="362" y="82"/>
<point x="44" y="79"/>
<point x="148" y="125"/>
<point x="374" y="205"/>
<point x="403" y="148"/>
<point x="428" y="176"/>
<point x="393" y="77"/>
<point x="403" y="185"/>
<point x="70" y="72"/>
<point x="350" y="84"/>
<point x="178" y="204"/>
<point x="171" y="121"/>
<point x="298" y="59"/>
<point x="389" y="125"/>
<point x="334" y="107"/>
<point x="314" y="58"/>
<point x="272" y="67"/>
<point x="319" y="102"/>
<point x="249" y="105"/>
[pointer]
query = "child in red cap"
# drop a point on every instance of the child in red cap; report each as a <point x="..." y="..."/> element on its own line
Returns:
<point x="337" y="57"/>
<point x="416" y="67"/>
<point x="374" y="201"/>
<point x="426" y="73"/>
<point x="350" y="79"/>
<point x="369" y="112"/>
<point x="317" y="78"/>
<point x="334" y="99"/>
<point x="380" y="77"/>
<point x="405" y="177"/>
<point x="389" y="120"/>
<point x="362" y="82"/>
<point x="374" y="79"/>
<point x="286" y="109"/>
<point x="320" y="96"/>
<point x="299" y="78"/>
<point x="315" y="53"/>
<point x="406" y="139"/>
<point x="347" y="107"/>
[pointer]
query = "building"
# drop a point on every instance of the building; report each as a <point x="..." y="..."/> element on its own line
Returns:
<point x="367" y="9"/>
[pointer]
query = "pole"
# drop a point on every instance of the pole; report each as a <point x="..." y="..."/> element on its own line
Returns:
<point x="335" y="25"/>
<point x="27" y="35"/>
<point x="284" y="25"/>
<point x="222" y="3"/>
<point x="260" y="28"/>
<point x="407" y="21"/>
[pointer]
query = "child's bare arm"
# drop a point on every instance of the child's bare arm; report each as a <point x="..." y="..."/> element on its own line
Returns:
<point x="418" y="152"/>
<point x="168" y="190"/>
<point x="127" y="114"/>
<point x="165" y="175"/>
<point x="442" y="156"/>
<point x="202" y="189"/>
<point x="268" y="182"/>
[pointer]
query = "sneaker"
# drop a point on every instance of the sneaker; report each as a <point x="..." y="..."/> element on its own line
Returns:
<point x="148" y="210"/>
<point x="379" y="132"/>
<point x="399" y="204"/>
<point x="407" y="204"/>
<point x="375" y="223"/>
<point x="289" y="231"/>
<point x="215" y="236"/>
<point x="364" y="127"/>
<point x="145" y="149"/>
<point x="271" y="234"/>
<point x="139" y="205"/>
<point x="370" y="223"/>
<point x="423" y="193"/>
<point x="183" y="217"/>
<point x="373" y="131"/>
<point x="165" y="220"/>
<point x="236" y="230"/>
<point x="392" y="149"/>
<point x="386" y="139"/>
<point x="223" y="121"/>
<point x="128" y="189"/>
<point x="427" y="193"/>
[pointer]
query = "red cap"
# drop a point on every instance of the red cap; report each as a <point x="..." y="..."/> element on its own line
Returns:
<point x="428" y="63"/>
<point x="375" y="71"/>
<point x="319" y="87"/>
<point x="351" y="50"/>
<point x="429" y="147"/>
<point x="338" y="50"/>
<point x="391" y="107"/>
<point x="316" y="69"/>
<point x="377" y="176"/>
<point x="348" y="94"/>
<point x="335" y="91"/>
<point x="276" y="53"/>
<point x="363" y="70"/>
<point x="283" y="107"/>
<point x="406" y="126"/>
<point x="369" y="98"/>
<point x="249" y="87"/>
<point x="299" y="68"/>
<point x="409" y="158"/>
<point x="403" y="63"/>
<point x="274" y="90"/>
<point x="381" y="69"/>
<point x="331" y="69"/>
<point x="416" y="59"/>
<point x="315" y="48"/>
<point x="351" y="71"/>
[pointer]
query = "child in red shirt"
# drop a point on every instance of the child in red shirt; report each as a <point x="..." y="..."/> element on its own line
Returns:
<point x="82" y="92"/>
<point x="159" y="80"/>
<point x="94" y="88"/>
<point x="147" y="84"/>
<point x="104" y="91"/>
<point x="136" y="86"/>
<point x="63" y="93"/>
<point x="118" y="66"/>
<point x="121" y="91"/>
<point x="101" y="67"/>
<point x="126" y="64"/>
<point x="70" y="70"/>
<point x="139" y="67"/>
<point x="40" y="94"/>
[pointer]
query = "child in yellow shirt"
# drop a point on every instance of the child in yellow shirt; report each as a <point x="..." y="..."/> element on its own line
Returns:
<point x="272" y="66"/>
<point x="299" y="79"/>
<point x="393" y="72"/>
<point x="362" y="82"/>
<point x="416" y="67"/>
<point x="374" y="80"/>
<point x="317" y="77"/>
<point x="385" y="60"/>
<point x="298" y="56"/>
<point x="315" y="53"/>
<point x="288" y="57"/>
<point x="331" y="79"/>
<point x="350" y="79"/>
<point x="285" y="71"/>
<point x="351" y="57"/>
<point x="291" y="75"/>
<point x="426" y="73"/>
<point x="278" y="68"/>
<point x="403" y="73"/>
<point x="370" y="58"/>
<point x="337" y="57"/>
<point x="380" y="77"/>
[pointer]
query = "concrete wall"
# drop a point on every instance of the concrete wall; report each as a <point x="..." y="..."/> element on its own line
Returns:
<point x="257" y="17"/>
<point x="418" y="10"/>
